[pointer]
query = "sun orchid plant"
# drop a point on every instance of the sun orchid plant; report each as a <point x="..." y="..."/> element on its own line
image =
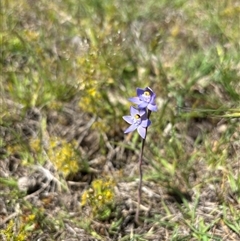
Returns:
<point x="139" y="120"/>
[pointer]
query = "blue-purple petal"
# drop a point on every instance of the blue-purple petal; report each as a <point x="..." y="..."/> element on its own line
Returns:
<point x="150" y="90"/>
<point x="128" y="119"/>
<point x="142" y="105"/>
<point x="134" y="111"/>
<point x="142" y="131"/>
<point x="130" y="129"/>
<point x="142" y="112"/>
<point x="153" y="98"/>
<point x="135" y="100"/>
<point x="152" y="107"/>
<point x="146" y="123"/>
<point x="140" y="91"/>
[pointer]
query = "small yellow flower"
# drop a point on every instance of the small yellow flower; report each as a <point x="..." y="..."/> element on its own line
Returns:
<point x="99" y="196"/>
<point x="85" y="198"/>
<point x="35" y="145"/>
<point x="64" y="156"/>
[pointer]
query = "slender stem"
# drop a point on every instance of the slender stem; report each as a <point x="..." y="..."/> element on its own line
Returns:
<point x="140" y="161"/>
<point x="140" y="182"/>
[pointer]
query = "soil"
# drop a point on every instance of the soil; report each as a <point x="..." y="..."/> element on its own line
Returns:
<point x="43" y="188"/>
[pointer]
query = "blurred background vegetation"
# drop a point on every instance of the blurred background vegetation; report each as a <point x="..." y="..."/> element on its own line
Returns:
<point x="67" y="70"/>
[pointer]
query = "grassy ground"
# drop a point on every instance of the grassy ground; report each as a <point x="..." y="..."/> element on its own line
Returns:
<point x="67" y="171"/>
